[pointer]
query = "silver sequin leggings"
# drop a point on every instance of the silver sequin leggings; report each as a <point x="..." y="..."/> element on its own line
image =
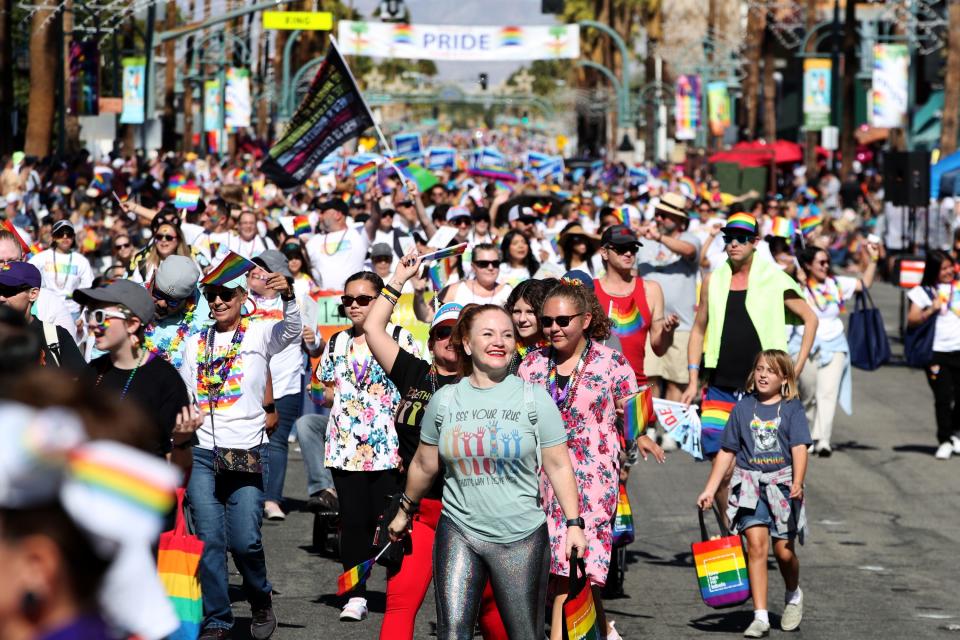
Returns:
<point x="517" y="571"/>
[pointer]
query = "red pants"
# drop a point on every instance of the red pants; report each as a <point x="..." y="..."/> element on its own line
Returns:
<point x="406" y="589"/>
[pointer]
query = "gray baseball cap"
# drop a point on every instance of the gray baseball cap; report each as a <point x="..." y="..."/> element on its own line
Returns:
<point x="274" y="262"/>
<point x="177" y="277"/>
<point x="125" y="292"/>
<point x="381" y="250"/>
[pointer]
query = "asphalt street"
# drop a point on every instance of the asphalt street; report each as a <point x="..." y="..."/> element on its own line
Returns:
<point x="881" y="558"/>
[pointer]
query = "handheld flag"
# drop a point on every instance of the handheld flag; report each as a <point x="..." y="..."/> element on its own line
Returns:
<point x="301" y="225"/>
<point x="783" y="228"/>
<point x="232" y="266"/>
<point x="638" y="413"/>
<point x="332" y="112"/>
<point x="687" y="188"/>
<point x="681" y="423"/>
<point x="447" y="252"/>
<point x="187" y="197"/>
<point x="351" y="578"/>
<point x="809" y="223"/>
<point x="438" y="273"/>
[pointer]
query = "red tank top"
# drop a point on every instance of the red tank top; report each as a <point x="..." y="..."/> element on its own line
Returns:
<point x="630" y="322"/>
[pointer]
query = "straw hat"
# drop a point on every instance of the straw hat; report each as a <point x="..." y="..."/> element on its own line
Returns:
<point x="673" y="204"/>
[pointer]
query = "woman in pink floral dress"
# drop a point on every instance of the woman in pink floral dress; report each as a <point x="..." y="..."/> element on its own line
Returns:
<point x="589" y="382"/>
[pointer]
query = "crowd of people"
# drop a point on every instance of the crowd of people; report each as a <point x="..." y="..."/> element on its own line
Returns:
<point x="496" y="447"/>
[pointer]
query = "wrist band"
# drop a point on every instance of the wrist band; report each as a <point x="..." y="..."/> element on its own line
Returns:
<point x="389" y="296"/>
<point x="693" y="367"/>
<point x="405" y="498"/>
<point x="392" y="290"/>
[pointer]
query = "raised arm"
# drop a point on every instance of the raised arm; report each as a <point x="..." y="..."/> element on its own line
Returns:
<point x="383" y="347"/>
<point x="288" y="330"/>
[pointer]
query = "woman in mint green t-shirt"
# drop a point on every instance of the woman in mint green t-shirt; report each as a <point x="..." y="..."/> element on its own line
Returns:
<point x="492" y="430"/>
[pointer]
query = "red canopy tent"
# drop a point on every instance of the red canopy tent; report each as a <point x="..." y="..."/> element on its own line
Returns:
<point x="759" y="153"/>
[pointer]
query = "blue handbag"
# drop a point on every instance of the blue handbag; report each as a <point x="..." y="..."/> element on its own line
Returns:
<point x="918" y="341"/>
<point x="869" y="346"/>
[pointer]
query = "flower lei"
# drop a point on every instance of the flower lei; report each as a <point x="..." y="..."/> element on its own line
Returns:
<point x="169" y="345"/>
<point x="823" y="297"/>
<point x="212" y="372"/>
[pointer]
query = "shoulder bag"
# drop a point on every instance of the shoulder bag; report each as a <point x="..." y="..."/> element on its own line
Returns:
<point x="869" y="346"/>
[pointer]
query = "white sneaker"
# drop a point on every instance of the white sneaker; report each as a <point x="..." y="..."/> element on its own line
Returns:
<point x="668" y="443"/>
<point x="956" y="444"/>
<point x="757" y="629"/>
<point x="612" y="633"/>
<point x="944" y="451"/>
<point x="354" y="611"/>
<point x="273" y="511"/>
<point x="792" y="615"/>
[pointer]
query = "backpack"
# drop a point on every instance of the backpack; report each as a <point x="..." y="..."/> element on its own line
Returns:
<point x="53" y="341"/>
<point x="335" y="339"/>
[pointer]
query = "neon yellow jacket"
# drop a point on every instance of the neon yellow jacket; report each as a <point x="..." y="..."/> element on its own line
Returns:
<point x="766" y="286"/>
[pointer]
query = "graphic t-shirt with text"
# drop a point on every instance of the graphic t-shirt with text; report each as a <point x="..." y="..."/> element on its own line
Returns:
<point x="762" y="435"/>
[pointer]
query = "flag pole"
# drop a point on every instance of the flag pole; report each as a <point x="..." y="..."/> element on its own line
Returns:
<point x="376" y="127"/>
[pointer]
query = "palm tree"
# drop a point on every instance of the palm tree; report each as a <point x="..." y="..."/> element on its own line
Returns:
<point x="951" y="87"/>
<point x="43" y="74"/>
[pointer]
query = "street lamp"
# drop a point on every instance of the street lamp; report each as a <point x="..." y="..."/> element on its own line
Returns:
<point x="392" y="8"/>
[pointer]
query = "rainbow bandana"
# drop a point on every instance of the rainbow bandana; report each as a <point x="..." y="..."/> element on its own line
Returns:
<point x="741" y="222"/>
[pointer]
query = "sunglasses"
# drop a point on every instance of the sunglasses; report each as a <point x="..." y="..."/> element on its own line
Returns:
<point x="160" y="295"/>
<point x="63" y="234"/>
<point x="405" y="203"/>
<point x="9" y="292"/>
<point x="224" y="294"/>
<point x="164" y="237"/>
<point x="461" y="222"/>
<point x="442" y="332"/>
<point x="101" y="316"/>
<point x="622" y="251"/>
<point x="487" y="264"/>
<point x="361" y="301"/>
<point x="125" y="245"/>
<point x="737" y="239"/>
<point x="562" y="321"/>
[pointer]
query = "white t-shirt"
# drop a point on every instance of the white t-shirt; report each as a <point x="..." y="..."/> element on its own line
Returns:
<point x="286" y="367"/>
<point x="239" y="420"/>
<point x="63" y="274"/>
<point x="946" y="335"/>
<point x="50" y="307"/>
<point x="825" y="301"/>
<point x="337" y="256"/>
<point x="249" y="249"/>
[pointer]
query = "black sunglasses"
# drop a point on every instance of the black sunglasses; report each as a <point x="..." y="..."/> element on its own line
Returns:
<point x="164" y="237"/>
<point x="442" y="332"/>
<point x="487" y="264"/>
<point x="224" y="294"/>
<point x="739" y="238"/>
<point x="63" y="233"/>
<point x="630" y="248"/>
<point x="9" y="292"/>
<point x="362" y="301"/>
<point x="462" y="221"/>
<point x="562" y="321"/>
<point x="122" y="246"/>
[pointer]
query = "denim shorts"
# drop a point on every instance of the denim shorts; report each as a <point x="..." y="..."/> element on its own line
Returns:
<point x="761" y="516"/>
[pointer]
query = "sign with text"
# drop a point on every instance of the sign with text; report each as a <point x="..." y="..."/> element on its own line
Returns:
<point x="291" y="20"/>
<point x="451" y="42"/>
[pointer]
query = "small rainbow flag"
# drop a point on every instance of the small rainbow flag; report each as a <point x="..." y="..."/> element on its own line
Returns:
<point x="622" y="214"/>
<point x="439" y="274"/>
<point x="810" y="193"/>
<point x="623" y="533"/>
<point x="364" y="172"/>
<point x="638" y="413"/>
<point x="783" y="228"/>
<point x="301" y="225"/>
<point x="402" y="34"/>
<point x="543" y="208"/>
<point x="687" y="188"/>
<point x="350" y="578"/>
<point x="809" y="223"/>
<point x="187" y="197"/>
<point x="232" y="266"/>
<point x="176" y="181"/>
<point x="448" y="252"/>
<point x="511" y="37"/>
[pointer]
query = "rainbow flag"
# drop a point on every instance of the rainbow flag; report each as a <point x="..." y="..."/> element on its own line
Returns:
<point x="439" y="273"/>
<point x="301" y="225"/>
<point x="187" y="197"/>
<point x="176" y="181"/>
<point x="448" y="252"/>
<point x="232" y="266"/>
<point x="638" y="413"/>
<point x="350" y="579"/>
<point x="809" y="223"/>
<point x="687" y="188"/>
<point x="7" y="225"/>
<point x="364" y="172"/>
<point x="783" y="228"/>
<point x="714" y="413"/>
<point x="622" y="214"/>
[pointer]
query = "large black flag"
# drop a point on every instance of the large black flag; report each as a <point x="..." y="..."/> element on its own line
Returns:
<point x="332" y="112"/>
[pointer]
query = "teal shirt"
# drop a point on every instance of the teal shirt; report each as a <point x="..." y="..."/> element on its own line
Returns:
<point x="162" y="334"/>
<point x="489" y="450"/>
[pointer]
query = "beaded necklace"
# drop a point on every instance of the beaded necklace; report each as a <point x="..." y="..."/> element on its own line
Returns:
<point x="168" y="346"/>
<point x="212" y="372"/>
<point x="337" y="249"/>
<point x="564" y="396"/>
<point x="133" y="372"/>
<point x="822" y="295"/>
<point x="56" y="275"/>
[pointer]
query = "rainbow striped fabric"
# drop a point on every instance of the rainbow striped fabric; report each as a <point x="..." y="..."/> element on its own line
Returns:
<point x="187" y="197"/>
<point x="232" y="266"/>
<point x="100" y="470"/>
<point x="623" y="519"/>
<point x="809" y="223"/>
<point x="178" y="561"/>
<point x="622" y="214"/>
<point x="626" y="321"/>
<point x="714" y="413"/>
<point x="365" y="171"/>
<point x="351" y="578"/>
<point x="7" y="225"/>
<point x="741" y="222"/>
<point x="638" y="413"/>
<point x="687" y="188"/>
<point x="301" y="225"/>
<point x="721" y="572"/>
<point x="439" y="273"/>
<point x="447" y="252"/>
<point x="783" y="228"/>
<point x="580" y="615"/>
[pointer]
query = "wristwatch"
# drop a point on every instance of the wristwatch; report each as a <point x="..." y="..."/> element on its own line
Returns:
<point x="576" y="522"/>
<point x="270" y="408"/>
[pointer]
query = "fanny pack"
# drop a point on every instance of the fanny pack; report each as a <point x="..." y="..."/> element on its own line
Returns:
<point x="237" y="460"/>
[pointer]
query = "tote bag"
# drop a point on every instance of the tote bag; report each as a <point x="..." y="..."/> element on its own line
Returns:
<point x="721" y="568"/>
<point x="869" y="347"/>
<point x="623" y="519"/>
<point x="178" y="561"/>
<point x="579" y="610"/>
<point x="918" y="340"/>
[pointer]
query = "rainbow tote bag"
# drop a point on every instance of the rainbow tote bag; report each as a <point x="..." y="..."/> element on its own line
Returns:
<point x="721" y="567"/>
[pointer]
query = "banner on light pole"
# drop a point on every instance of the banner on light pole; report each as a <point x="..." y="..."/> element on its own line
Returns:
<point x="687" y="107"/>
<point x="134" y="75"/>
<point x="816" y="93"/>
<point x="718" y="107"/>
<point x="888" y="95"/>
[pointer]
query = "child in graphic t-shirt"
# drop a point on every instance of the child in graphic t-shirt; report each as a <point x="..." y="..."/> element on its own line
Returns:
<point x="767" y="436"/>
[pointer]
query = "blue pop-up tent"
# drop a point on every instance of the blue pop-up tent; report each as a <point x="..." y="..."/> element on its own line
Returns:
<point x="937" y="171"/>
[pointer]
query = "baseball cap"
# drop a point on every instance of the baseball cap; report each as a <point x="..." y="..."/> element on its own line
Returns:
<point x="274" y="262"/>
<point x="381" y="250"/>
<point x="123" y="292"/>
<point x="580" y="277"/>
<point x="457" y="212"/>
<point x="619" y="235"/>
<point x="743" y="222"/>
<point x="336" y="204"/>
<point x="177" y="277"/>
<point x="19" y="274"/>
<point x="446" y="314"/>
<point x="63" y="224"/>
<point x="517" y="212"/>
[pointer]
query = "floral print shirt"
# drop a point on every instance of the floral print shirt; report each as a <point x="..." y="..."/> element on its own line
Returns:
<point x="360" y="433"/>
<point x="590" y="417"/>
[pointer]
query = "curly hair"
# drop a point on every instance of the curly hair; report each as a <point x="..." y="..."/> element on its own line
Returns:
<point x="586" y="302"/>
<point x="461" y="332"/>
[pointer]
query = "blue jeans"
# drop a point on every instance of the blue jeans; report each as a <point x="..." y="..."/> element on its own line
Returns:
<point x="312" y="435"/>
<point x="227" y="511"/>
<point x="288" y="408"/>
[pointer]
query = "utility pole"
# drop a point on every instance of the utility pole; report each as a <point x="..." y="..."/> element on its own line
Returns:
<point x="147" y="77"/>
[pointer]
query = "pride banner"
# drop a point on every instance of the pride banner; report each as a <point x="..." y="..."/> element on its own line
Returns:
<point x="451" y="42"/>
<point x="888" y="95"/>
<point x="134" y="74"/>
<point x="718" y="107"/>
<point x="816" y="93"/>
<point x="238" y="98"/>
<point x="687" y="107"/>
